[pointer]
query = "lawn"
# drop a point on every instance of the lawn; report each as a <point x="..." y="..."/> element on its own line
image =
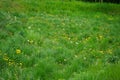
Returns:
<point x="59" y="40"/>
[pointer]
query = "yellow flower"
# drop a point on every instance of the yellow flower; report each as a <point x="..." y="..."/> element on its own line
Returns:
<point x="100" y="37"/>
<point x="18" y="51"/>
<point x="109" y="51"/>
<point x="5" y="58"/>
<point x="102" y="52"/>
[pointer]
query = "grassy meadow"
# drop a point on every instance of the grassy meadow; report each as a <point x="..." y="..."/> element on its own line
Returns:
<point x="59" y="40"/>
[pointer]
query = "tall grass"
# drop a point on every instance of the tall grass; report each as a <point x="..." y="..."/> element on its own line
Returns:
<point x="57" y="40"/>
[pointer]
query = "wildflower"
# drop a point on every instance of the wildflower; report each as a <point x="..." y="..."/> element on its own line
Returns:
<point x="101" y="52"/>
<point x="69" y="38"/>
<point x="109" y="51"/>
<point x="11" y="62"/>
<point x="100" y="37"/>
<point x="18" y="51"/>
<point x="5" y="58"/>
<point x="30" y="41"/>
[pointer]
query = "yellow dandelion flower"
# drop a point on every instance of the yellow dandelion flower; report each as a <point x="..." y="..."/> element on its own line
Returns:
<point x="5" y="58"/>
<point x="100" y="37"/>
<point x="102" y="52"/>
<point x="18" y="51"/>
<point x="109" y="51"/>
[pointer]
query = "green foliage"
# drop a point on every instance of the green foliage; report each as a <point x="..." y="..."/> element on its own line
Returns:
<point x="59" y="40"/>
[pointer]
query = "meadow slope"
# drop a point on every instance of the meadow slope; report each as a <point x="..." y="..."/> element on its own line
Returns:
<point x="57" y="40"/>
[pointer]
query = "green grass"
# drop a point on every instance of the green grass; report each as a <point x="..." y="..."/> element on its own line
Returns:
<point x="55" y="40"/>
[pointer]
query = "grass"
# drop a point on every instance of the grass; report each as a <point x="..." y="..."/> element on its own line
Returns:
<point x="55" y="40"/>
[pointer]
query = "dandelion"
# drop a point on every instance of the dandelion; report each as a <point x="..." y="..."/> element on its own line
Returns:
<point x="100" y="37"/>
<point x="69" y="38"/>
<point x="109" y="51"/>
<point x="18" y="51"/>
<point x="101" y="52"/>
<point x="5" y="58"/>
